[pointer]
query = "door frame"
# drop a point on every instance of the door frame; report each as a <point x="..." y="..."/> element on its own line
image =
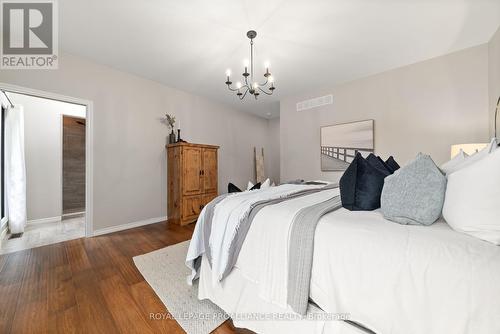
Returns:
<point x="89" y="143"/>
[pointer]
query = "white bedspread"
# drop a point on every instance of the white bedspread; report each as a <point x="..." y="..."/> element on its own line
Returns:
<point x="391" y="278"/>
<point x="227" y="217"/>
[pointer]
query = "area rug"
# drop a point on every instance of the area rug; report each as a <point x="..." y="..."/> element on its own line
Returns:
<point x="166" y="273"/>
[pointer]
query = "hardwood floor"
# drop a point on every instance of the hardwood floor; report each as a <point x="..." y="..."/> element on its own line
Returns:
<point x="88" y="285"/>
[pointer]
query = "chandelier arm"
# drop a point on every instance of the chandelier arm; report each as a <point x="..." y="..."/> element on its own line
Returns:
<point x="232" y="89"/>
<point x="265" y="83"/>
<point x="267" y="93"/>
<point x="244" y="94"/>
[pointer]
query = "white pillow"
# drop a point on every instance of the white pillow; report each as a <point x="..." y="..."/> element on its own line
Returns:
<point x="266" y="184"/>
<point x="472" y="201"/>
<point x="450" y="166"/>
<point x="492" y="146"/>
<point x="250" y="185"/>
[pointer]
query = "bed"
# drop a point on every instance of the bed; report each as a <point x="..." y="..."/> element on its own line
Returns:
<point x="385" y="277"/>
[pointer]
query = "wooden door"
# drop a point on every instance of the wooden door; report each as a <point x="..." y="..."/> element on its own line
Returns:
<point x="73" y="165"/>
<point x="192" y="167"/>
<point x="209" y="170"/>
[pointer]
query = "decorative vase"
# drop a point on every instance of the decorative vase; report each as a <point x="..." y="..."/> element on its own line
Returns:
<point x="171" y="137"/>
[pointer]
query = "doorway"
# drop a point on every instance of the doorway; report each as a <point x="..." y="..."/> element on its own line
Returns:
<point x="57" y="173"/>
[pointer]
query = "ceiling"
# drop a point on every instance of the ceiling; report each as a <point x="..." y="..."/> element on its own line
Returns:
<point x="189" y="44"/>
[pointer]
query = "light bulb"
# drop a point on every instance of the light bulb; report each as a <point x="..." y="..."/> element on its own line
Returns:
<point x="267" y="65"/>
<point x="255" y="85"/>
<point x="271" y="79"/>
<point x="246" y="62"/>
<point x="238" y="85"/>
<point x="228" y="72"/>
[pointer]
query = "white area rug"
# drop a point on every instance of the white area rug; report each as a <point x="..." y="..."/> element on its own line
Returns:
<point x="166" y="273"/>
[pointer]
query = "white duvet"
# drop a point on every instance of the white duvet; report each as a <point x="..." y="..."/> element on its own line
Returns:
<point x="225" y="223"/>
<point x="391" y="278"/>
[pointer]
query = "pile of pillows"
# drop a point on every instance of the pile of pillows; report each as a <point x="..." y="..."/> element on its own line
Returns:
<point x="362" y="183"/>
<point x="465" y="191"/>
<point x="231" y="188"/>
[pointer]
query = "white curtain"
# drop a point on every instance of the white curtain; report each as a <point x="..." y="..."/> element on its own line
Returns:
<point x="15" y="169"/>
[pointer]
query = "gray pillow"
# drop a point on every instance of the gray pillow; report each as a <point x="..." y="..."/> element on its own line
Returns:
<point x="415" y="193"/>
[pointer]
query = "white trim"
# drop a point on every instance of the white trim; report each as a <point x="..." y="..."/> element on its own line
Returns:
<point x="89" y="143"/>
<point x="122" y="227"/>
<point x="67" y="215"/>
<point x="55" y="219"/>
<point x="4" y="228"/>
<point x="3" y="223"/>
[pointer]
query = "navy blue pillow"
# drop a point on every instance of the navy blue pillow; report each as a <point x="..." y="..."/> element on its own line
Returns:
<point x="361" y="185"/>
<point x="256" y="186"/>
<point x="378" y="163"/>
<point x="392" y="164"/>
<point x="231" y="188"/>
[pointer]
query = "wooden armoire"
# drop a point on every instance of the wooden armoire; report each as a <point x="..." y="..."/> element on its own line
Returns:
<point x="191" y="180"/>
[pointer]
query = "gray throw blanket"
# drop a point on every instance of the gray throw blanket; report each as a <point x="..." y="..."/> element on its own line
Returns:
<point x="302" y="249"/>
<point x="237" y="242"/>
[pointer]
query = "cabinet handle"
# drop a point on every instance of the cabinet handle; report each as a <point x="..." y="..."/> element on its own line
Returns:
<point x="202" y="172"/>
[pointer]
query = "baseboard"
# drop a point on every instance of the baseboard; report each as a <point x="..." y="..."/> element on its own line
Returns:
<point x="122" y="227"/>
<point x="69" y="215"/>
<point x="44" y="220"/>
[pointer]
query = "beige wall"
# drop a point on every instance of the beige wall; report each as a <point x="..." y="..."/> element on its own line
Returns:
<point x="273" y="154"/>
<point x="494" y="77"/>
<point x="424" y="107"/>
<point x="129" y="140"/>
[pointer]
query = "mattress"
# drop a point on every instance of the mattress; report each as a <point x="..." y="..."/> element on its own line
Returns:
<point x="238" y="297"/>
<point x="395" y="278"/>
<point x="390" y="278"/>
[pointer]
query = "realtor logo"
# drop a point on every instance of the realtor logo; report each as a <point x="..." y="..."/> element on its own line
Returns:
<point x="29" y="34"/>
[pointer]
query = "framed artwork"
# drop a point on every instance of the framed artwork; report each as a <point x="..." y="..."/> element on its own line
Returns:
<point x="341" y="142"/>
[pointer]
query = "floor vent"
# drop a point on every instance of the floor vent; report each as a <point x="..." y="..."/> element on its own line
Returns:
<point x="314" y="103"/>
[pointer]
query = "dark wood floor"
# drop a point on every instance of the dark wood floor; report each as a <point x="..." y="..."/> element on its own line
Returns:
<point x="88" y="285"/>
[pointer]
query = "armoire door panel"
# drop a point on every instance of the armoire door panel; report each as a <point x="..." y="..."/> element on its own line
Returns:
<point x="192" y="178"/>
<point x="209" y="170"/>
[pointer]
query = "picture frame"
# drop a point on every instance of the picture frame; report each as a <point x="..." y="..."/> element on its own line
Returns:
<point x="339" y="143"/>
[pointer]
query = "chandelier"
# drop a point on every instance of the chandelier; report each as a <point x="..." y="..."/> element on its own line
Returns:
<point x="251" y="85"/>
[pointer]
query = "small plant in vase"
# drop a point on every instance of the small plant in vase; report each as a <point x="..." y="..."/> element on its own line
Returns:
<point x="169" y="120"/>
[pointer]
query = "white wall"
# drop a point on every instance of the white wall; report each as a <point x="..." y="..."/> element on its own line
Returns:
<point x="43" y="151"/>
<point x="494" y="77"/>
<point x="129" y="140"/>
<point x="424" y="107"/>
